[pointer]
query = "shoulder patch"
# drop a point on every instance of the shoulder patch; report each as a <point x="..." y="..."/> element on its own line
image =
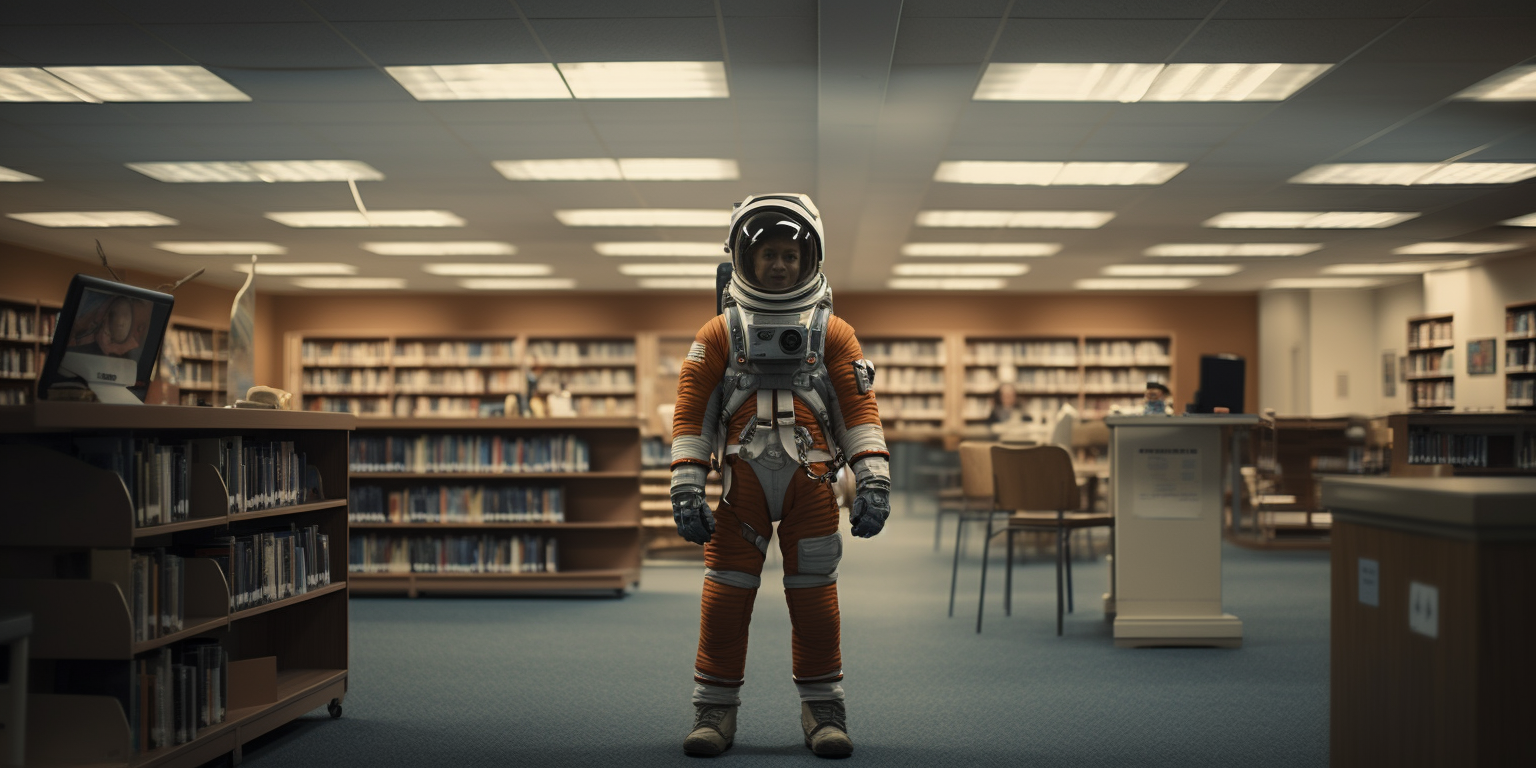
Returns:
<point x="696" y="352"/>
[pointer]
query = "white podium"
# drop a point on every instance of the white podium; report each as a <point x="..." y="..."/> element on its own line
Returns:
<point x="1166" y="579"/>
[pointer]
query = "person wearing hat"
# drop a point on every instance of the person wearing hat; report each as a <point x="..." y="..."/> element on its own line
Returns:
<point x="1156" y="400"/>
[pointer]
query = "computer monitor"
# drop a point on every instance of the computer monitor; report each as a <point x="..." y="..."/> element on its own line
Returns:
<point x="108" y="338"/>
<point x="1221" y="384"/>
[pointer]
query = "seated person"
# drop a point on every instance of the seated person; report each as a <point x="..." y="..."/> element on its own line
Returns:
<point x="1006" y="407"/>
<point x="1156" y="402"/>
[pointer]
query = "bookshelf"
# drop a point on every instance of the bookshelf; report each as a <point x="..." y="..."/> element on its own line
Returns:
<point x="26" y="329"/>
<point x="1520" y="356"/>
<point x="78" y="554"/>
<point x="444" y="506"/>
<point x="1463" y="443"/>
<point x="1431" y="370"/>
<point x="1094" y="373"/>
<point x="911" y="384"/>
<point x="202" y="350"/>
<point x="599" y="373"/>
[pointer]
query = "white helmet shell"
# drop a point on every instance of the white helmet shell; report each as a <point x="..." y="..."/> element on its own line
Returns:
<point x="776" y="246"/>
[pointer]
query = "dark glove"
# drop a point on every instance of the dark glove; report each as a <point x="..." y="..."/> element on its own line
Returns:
<point x="872" y="500"/>
<point x="695" y="522"/>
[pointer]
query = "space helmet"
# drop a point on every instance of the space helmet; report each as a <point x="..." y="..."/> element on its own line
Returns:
<point x="776" y="249"/>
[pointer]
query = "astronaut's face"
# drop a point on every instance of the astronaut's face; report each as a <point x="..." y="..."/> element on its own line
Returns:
<point x="776" y="264"/>
<point x="120" y="321"/>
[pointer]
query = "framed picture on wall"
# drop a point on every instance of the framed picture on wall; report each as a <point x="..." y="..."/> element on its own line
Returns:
<point x="1389" y="373"/>
<point x="1481" y="354"/>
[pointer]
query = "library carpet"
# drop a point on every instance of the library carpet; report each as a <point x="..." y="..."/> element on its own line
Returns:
<point x="599" y="682"/>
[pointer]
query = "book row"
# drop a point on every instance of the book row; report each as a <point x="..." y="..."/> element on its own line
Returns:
<point x="1520" y="354"/>
<point x="187" y="341"/>
<point x="456" y="504"/>
<point x="1122" y="352"/>
<point x="260" y="475"/>
<point x="345" y="352"/>
<point x="272" y="565"/>
<point x="345" y="380"/>
<point x="470" y="382"/>
<point x="175" y="692"/>
<point x="194" y="372"/>
<point x="600" y="379"/>
<point x="156" y="475"/>
<point x="894" y="406"/>
<point x="474" y="452"/>
<point x="491" y="352"/>
<point x="14" y="396"/>
<point x="905" y="352"/>
<point x="485" y="553"/>
<point x="1520" y="323"/>
<point x="18" y="362"/>
<point x="1428" y="363"/>
<point x="1461" y="450"/>
<point x="1021" y="352"/>
<point x="358" y="406"/>
<point x="909" y="380"/>
<point x="22" y="324"/>
<point x="1431" y="394"/>
<point x="1430" y="333"/>
<point x="1520" y="392"/>
<point x="550" y="352"/>
<point x="157" y="602"/>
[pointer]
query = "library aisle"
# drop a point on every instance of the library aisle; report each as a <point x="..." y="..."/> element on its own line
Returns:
<point x="597" y="682"/>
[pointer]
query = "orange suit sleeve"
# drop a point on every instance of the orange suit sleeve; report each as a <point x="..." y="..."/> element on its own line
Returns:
<point x="702" y="370"/>
<point x="861" y="414"/>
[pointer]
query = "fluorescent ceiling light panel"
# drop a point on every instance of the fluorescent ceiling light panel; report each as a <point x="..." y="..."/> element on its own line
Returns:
<point x="660" y="249"/>
<point x="627" y="168"/>
<point x="970" y="250"/>
<point x="1135" y="284"/>
<point x="959" y="270"/>
<point x="11" y="174"/>
<point x="678" y="283"/>
<point x="1394" y="268"/>
<point x="449" y="248"/>
<point x="518" y="283"/>
<point x="1229" y="250"/>
<point x="667" y="270"/>
<point x="351" y="219"/>
<point x="646" y="79"/>
<point x="1171" y="270"/>
<point x="293" y="268"/>
<point x="644" y="217"/>
<point x="1513" y="84"/>
<point x="99" y="84"/>
<point x="351" y="283"/>
<point x="1528" y="220"/>
<point x="481" y="82"/>
<point x="222" y="248"/>
<point x="95" y="219"/>
<point x="1144" y="82"/>
<point x="1015" y="219"/>
<point x="488" y="270"/>
<point x="1411" y="174"/>
<point x="1043" y="174"/>
<point x="946" y="283"/>
<point x="259" y="170"/>
<point x="1307" y="219"/>
<point x="1323" y="282"/>
<point x="1448" y="249"/>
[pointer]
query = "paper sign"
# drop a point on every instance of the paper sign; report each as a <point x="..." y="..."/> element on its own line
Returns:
<point x="1370" y="582"/>
<point x="1167" y="482"/>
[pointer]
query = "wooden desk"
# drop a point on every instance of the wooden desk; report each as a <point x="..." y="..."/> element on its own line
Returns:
<point x="1434" y="608"/>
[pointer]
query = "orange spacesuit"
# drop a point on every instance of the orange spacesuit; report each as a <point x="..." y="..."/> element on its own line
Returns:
<point x="776" y="393"/>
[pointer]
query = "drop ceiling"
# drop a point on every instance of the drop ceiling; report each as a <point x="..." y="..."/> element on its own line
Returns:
<point x="856" y="103"/>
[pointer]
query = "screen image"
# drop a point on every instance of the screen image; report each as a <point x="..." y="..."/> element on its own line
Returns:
<point x="110" y="325"/>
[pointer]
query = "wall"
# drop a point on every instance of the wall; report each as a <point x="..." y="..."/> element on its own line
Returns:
<point x="1394" y="305"/>
<point x="29" y="274"/>
<point x="1476" y="298"/>
<point x="1345" y="369"/>
<point x="1285" y="351"/>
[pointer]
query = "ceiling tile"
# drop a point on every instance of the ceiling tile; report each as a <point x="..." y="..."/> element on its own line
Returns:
<point x="87" y="45"/>
<point x="525" y="134"/>
<point x="202" y="12"/>
<point x="1091" y="40"/>
<point x="63" y="12"/>
<point x="615" y="9"/>
<point x="203" y="114"/>
<point x="1304" y="41"/>
<point x="943" y="40"/>
<point x="952" y="9"/>
<point x="480" y="41"/>
<point x="805" y="9"/>
<point x="412" y="10"/>
<point x="1477" y="8"/>
<point x="770" y="41"/>
<point x="363" y="112"/>
<point x="287" y="46"/>
<point x="404" y="134"/>
<point x="690" y="39"/>
<point x="1504" y="42"/>
<point x="1112" y="9"/>
<point x="1317" y="9"/>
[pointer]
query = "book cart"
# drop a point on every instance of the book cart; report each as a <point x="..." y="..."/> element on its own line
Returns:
<point x="71" y="539"/>
<point x="445" y="506"/>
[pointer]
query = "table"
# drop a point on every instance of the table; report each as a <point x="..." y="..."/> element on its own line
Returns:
<point x="1167" y="478"/>
<point x="1433" y="611"/>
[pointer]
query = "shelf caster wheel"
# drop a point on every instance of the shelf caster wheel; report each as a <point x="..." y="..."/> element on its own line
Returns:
<point x="334" y="708"/>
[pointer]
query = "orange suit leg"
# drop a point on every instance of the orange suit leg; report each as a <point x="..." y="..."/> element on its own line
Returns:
<point x="810" y="511"/>
<point x="726" y="609"/>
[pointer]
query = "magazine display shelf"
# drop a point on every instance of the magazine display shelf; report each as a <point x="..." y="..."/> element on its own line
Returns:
<point x="79" y="509"/>
<point x="599" y="543"/>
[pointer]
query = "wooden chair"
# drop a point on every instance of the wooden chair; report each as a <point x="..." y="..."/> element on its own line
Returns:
<point x="976" y="498"/>
<point x="1039" y="486"/>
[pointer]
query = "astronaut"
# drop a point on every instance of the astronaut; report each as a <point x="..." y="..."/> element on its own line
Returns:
<point x="776" y="394"/>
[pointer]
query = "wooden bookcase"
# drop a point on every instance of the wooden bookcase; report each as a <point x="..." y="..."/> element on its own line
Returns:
<point x="1431" y="370"/>
<point x="597" y="542"/>
<point x="203" y="349"/>
<point x="1463" y="443"/>
<point x="83" y="649"/>
<point x="911" y="384"/>
<point x="1520" y="356"/>
<point x="598" y="372"/>
<point x="1093" y="372"/>
<point x="26" y="330"/>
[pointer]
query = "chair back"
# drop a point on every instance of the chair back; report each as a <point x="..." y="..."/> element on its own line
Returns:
<point x="1034" y="479"/>
<point x="976" y="469"/>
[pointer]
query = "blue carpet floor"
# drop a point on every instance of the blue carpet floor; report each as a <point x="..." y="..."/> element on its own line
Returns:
<point x="599" y="682"/>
